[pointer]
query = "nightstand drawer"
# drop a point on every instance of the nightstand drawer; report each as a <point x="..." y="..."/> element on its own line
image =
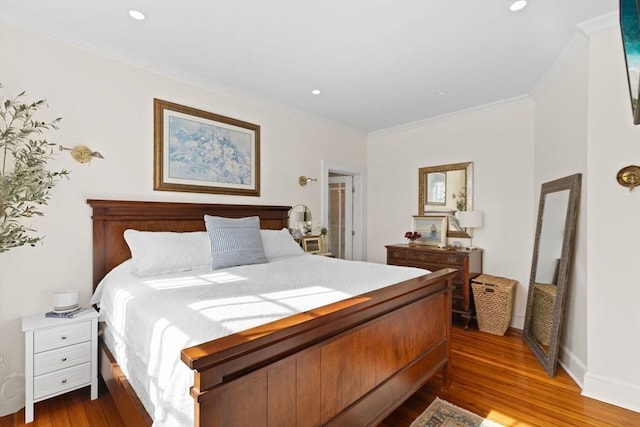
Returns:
<point x="48" y="339"/>
<point x="59" y="381"/>
<point x="65" y="357"/>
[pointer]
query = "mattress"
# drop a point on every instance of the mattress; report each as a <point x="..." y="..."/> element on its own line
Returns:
<point x="147" y="321"/>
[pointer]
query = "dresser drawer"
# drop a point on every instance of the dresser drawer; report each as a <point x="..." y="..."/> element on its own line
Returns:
<point x="458" y="288"/>
<point x="60" y="381"/>
<point x="429" y="257"/>
<point x="397" y="254"/>
<point x="457" y="303"/>
<point x="64" y="335"/>
<point x="65" y="357"/>
<point x="453" y="259"/>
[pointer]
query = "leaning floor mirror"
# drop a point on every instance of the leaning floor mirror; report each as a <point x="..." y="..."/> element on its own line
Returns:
<point x="550" y="268"/>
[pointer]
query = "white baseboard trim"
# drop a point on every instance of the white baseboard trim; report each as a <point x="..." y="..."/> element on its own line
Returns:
<point x="572" y="365"/>
<point x="612" y="391"/>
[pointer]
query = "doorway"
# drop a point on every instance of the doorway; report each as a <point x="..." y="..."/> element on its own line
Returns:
<point x="345" y="186"/>
<point x="340" y="220"/>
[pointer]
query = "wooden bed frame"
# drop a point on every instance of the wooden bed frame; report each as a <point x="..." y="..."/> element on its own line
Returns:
<point x="350" y="363"/>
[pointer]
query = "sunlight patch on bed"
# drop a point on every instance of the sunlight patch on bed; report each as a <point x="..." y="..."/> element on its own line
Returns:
<point x="297" y="299"/>
<point x="121" y="300"/>
<point x="189" y="281"/>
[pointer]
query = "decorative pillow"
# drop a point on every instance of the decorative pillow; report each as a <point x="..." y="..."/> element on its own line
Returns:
<point x="279" y="243"/>
<point x="234" y="241"/>
<point x="158" y="252"/>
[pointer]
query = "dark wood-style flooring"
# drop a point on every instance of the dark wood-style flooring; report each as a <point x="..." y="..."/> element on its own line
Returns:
<point x="493" y="376"/>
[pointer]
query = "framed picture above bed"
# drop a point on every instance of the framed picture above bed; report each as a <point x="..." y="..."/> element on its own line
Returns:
<point x="312" y="244"/>
<point x="202" y="152"/>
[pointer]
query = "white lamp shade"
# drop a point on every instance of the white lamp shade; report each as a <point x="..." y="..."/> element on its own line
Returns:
<point x="469" y="219"/>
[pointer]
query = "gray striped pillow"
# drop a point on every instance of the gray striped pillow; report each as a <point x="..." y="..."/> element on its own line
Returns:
<point x="234" y="241"/>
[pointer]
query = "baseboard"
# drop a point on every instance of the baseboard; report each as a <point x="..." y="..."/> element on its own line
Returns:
<point x="572" y="365"/>
<point x="618" y="393"/>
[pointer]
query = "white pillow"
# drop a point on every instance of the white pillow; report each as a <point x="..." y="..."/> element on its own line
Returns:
<point x="158" y="252"/>
<point x="279" y="243"/>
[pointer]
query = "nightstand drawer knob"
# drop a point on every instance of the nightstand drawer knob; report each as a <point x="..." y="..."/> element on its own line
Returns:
<point x="64" y="381"/>
<point x="64" y="337"/>
<point x="64" y="359"/>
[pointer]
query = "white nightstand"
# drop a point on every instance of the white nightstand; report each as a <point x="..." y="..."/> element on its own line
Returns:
<point x="60" y="355"/>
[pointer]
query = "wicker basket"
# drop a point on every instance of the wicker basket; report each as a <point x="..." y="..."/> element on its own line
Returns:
<point x="493" y="298"/>
<point x="544" y="298"/>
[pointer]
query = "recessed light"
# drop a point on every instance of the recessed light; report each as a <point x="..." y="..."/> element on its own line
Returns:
<point x="517" y="5"/>
<point x="316" y="92"/>
<point x="137" y="15"/>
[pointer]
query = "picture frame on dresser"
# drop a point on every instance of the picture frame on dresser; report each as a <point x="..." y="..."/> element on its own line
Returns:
<point x="433" y="229"/>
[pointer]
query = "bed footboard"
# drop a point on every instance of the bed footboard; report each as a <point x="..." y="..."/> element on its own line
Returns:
<point x="346" y="364"/>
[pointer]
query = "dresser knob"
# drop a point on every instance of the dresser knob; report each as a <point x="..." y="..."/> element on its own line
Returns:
<point x="64" y="381"/>
<point x="64" y="359"/>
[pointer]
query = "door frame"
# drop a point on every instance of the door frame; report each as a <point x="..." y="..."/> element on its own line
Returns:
<point x="358" y="202"/>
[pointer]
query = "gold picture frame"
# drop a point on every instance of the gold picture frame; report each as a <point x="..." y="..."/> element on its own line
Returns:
<point x="201" y="152"/>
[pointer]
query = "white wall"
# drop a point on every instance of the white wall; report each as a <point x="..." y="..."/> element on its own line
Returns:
<point x="613" y="228"/>
<point x="108" y="106"/>
<point x="499" y="142"/>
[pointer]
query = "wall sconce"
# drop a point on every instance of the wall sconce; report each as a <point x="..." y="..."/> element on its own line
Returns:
<point x="82" y="153"/>
<point x="629" y="177"/>
<point x="469" y="219"/>
<point x="303" y="180"/>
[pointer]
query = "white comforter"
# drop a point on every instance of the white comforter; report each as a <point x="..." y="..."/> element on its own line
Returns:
<point x="150" y="319"/>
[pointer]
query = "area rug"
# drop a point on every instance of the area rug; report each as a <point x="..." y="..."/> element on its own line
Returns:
<point x="443" y="414"/>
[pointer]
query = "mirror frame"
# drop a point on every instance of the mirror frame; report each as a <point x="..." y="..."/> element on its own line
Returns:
<point x="422" y="174"/>
<point x="549" y="359"/>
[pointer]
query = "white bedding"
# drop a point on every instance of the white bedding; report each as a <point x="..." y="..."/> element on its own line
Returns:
<point x="150" y="319"/>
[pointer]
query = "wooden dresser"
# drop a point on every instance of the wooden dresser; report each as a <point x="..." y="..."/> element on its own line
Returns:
<point x="468" y="263"/>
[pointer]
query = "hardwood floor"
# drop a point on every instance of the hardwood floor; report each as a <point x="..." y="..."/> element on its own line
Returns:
<point x="500" y="379"/>
<point x="496" y="377"/>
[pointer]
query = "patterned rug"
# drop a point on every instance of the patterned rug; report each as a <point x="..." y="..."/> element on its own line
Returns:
<point x="443" y="414"/>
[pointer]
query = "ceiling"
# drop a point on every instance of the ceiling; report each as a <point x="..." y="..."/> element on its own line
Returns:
<point x="379" y="64"/>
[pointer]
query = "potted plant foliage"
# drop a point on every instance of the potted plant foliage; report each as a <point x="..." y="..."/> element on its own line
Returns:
<point x="25" y="179"/>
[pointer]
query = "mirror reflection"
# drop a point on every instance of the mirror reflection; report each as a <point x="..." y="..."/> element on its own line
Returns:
<point x="551" y="261"/>
<point x="299" y="221"/>
<point x="446" y="189"/>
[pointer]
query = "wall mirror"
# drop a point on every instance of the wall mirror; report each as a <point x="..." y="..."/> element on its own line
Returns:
<point x="550" y="267"/>
<point x="446" y="189"/>
<point x="299" y="221"/>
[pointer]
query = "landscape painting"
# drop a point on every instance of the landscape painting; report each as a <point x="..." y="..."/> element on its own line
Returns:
<point x="198" y="151"/>
<point x="630" y="28"/>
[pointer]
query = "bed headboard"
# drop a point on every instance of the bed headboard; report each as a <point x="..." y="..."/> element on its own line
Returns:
<point x="112" y="217"/>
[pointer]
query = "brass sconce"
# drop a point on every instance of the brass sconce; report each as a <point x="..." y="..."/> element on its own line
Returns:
<point x="629" y="177"/>
<point x="82" y="153"/>
<point x="303" y="180"/>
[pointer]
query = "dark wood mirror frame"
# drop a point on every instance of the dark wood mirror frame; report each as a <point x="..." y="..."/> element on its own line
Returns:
<point x="537" y="321"/>
<point x="467" y="167"/>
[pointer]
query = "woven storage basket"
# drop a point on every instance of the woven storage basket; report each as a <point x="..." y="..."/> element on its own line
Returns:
<point x="544" y="298"/>
<point x="493" y="297"/>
